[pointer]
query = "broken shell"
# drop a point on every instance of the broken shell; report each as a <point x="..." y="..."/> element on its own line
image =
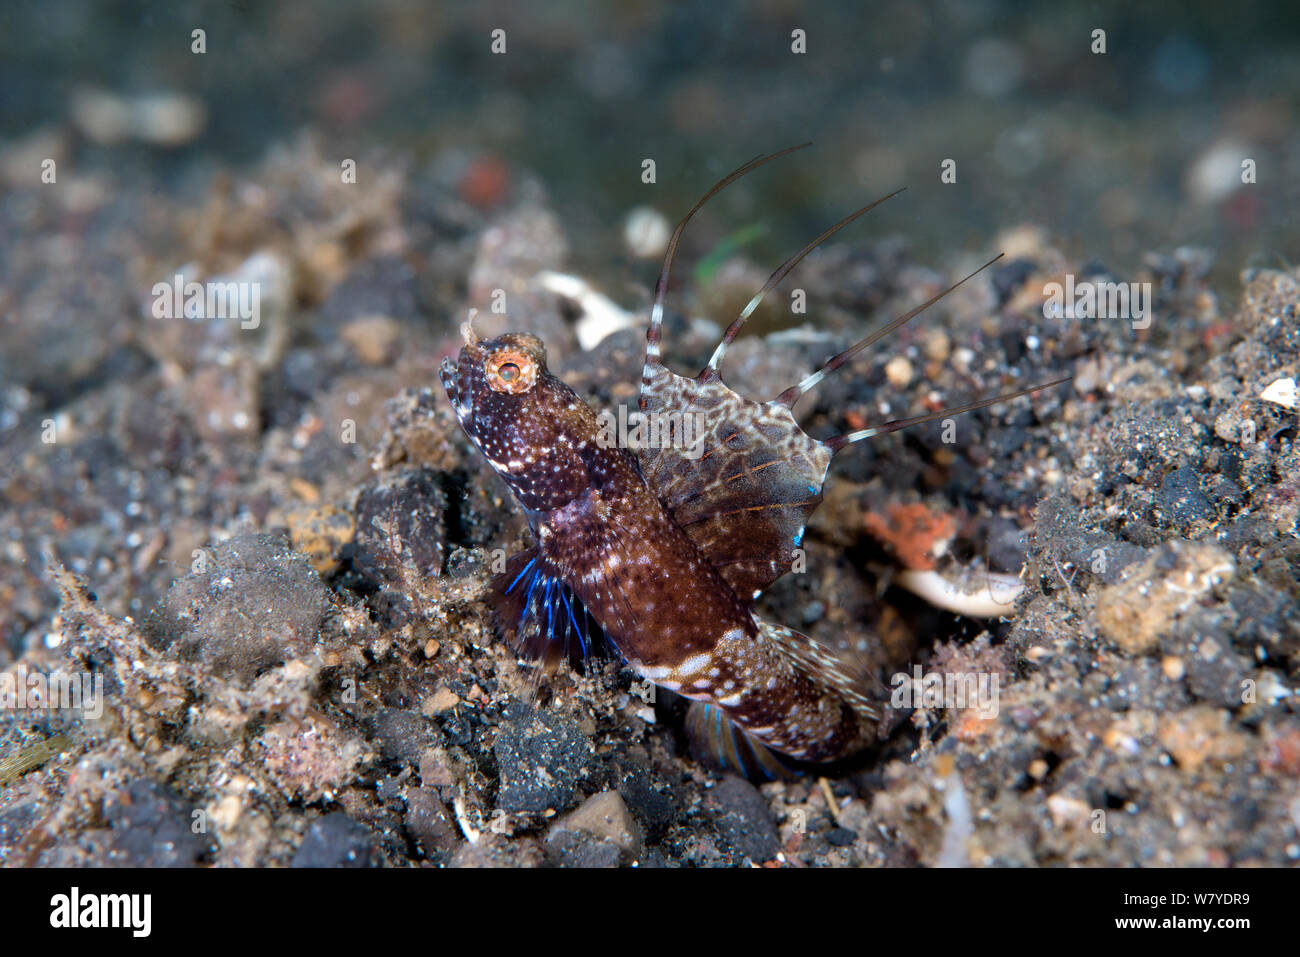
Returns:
<point x="1281" y="392"/>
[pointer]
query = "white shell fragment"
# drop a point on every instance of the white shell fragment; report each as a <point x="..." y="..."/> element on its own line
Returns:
<point x="601" y="316"/>
<point x="1281" y="392"/>
<point x="995" y="596"/>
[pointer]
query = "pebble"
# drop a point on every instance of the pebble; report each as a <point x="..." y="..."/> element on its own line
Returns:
<point x="151" y="827"/>
<point x="335" y="840"/>
<point x="1216" y="173"/>
<point x="646" y="232"/>
<point x="320" y="534"/>
<point x="167" y="120"/>
<point x="399" y="522"/>
<point x="898" y="371"/>
<point x="1137" y="612"/>
<point x="1200" y="734"/>
<point x="604" y="816"/>
<point x="744" y="820"/>
<point x="373" y="338"/>
<point x="444" y="699"/>
<point x="429" y="823"/>
<point x="248" y="604"/>
<point x="937" y="345"/>
<point x="1067" y="812"/>
<point x="1180" y="501"/>
<point x="403" y="736"/>
<point x="543" y="757"/>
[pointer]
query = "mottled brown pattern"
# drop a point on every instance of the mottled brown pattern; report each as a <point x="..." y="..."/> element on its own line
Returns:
<point x="745" y="500"/>
<point x="662" y="582"/>
<point x="667" y="552"/>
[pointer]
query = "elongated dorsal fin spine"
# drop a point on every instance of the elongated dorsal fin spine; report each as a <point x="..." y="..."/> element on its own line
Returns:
<point x="780" y="273"/>
<point x="840" y="441"/>
<point x="655" y="331"/>
<point x="791" y="395"/>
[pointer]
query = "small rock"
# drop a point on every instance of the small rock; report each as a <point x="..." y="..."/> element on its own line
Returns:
<point x="247" y="604"/>
<point x="1180" y="501"/>
<point x="386" y="286"/>
<point x="1213" y="670"/>
<point x="1067" y="812"/>
<point x="403" y="736"/>
<point x="1281" y="392"/>
<point x="898" y="371"/>
<point x="493" y="851"/>
<point x="429" y="823"/>
<point x="937" y="345"/>
<point x="151" y="828"/>
<point x="583" y="850"/>
<point x="444" y="699"/>
<point x="604" y="816"/>
<point x="520" y="243"/>
<point x="650" y="799"/>
<point x="1135" y="613"/>
<point x="543" y="758"/>
<point x="320" y="533"/>
<point x="841" y="837"/>
<point x="224" y="401"/>
<point x="1216" y="172"/>
<point x="1201" y="734"/>
<point x="197" y="320"/>
<point x="335" y="840"/>
<point x="399" y="527"/>
<point x="159" y="119"/>
<point x="744" y="820"/>
<point x="373" y="338"/>
<point x="309" y="759"/>
<point x="646" y="232"/>
<point x="435" y="770"/>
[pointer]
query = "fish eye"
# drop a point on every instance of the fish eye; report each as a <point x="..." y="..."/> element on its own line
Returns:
<point x="511" y="371"/>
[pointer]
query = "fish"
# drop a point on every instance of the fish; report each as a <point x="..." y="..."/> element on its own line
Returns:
<point x="659" y="552"/>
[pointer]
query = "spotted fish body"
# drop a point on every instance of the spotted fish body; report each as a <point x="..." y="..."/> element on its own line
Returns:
<point x="665" y="550"/>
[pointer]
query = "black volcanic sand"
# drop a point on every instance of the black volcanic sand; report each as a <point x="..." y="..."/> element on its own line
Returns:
<point x="273" y="544"/>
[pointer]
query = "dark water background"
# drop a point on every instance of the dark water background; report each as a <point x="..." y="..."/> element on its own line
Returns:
<point x="1116" y="154"/>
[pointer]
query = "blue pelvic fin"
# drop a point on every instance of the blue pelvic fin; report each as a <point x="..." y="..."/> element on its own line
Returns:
<point x="540" y="616"/>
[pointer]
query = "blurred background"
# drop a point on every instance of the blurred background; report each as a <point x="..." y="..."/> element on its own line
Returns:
<point x="1136" y="149"/>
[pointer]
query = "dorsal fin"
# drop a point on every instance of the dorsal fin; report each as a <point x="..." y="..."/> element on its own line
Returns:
<point x="744" y="491"/>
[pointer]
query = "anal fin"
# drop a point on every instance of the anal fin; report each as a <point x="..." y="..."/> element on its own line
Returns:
<point x="716" y="741"/>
